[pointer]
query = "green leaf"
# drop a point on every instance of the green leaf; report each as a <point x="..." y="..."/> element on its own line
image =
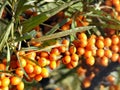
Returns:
<point x="57" y="26"/>
<point x="8" y="57"/>
<point x="20" y="5"/>
<point x="34" y="21"/>
<point x="63" y="33"/>
<point x="5" y="36"/>
<point x="26" y="36"/>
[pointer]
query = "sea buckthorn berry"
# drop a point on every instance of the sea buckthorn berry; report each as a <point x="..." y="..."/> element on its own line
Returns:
<point x="114" y="57"/>
<point x="82" y="43"/>
<point x="82" y="36"/>
<point x="31" y="55"/>
<point x="62" y="49"/>
<point x="55" y="51"/>
<point x="20" y="86"/>
<point x="44" y="54"/>
<point x="100" y="38"/>
<point x="72" y="49"/>
<point x="19" y="72"/>
<point x="5" y="81"/>
<point x="21" y="53"/>
<point x="42" y="61"/>
<point x="38" y="77"/>
<point x="15" y="80"/>
<point x="74" y="63"/>
<point x="110" y="78"/>
<point x="100" y="43"/>
<point x="108" y="53"/>
<point x="115" y="2"/>
<point x="44" y="73"/>
<point x="65" y="27"/>
<point x="117" y="8"/>
<point x="67" y="53"/>
<point x="81" y="71"/>
<point x="100" y="52"/>
<point x="22" y="61"/>
<point x="52" y="57"/>
<point x="53" y="64"/>
<point x="104" y="61"/>
<point x="115" y="39"/>
<point x="69" y="66"/>
<point x="37" y="69"/>
<point x="87" y="53"/>
<point x="86" y="83"/>
<point x="29" y="68"/>
<point x="65" y="42"/>
<point x="80" y="51"/>
<point x="90" y="60"/>
<point x="31" y="75"/>
<point x="108" y="3"/>
<point x="107" y="42"/>
<point x="4" y="88"/>
<point x="66" y="59"/>
<point x="2" y="66"/>
<point x="115" y="48"/>
<point x="74" y="57"/>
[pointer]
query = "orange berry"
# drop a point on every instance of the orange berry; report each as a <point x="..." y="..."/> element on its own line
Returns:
<point x="115" y="39"/>
<point x="29" y="68"/>
<point x="31" y="55"/>
<point x="69" y="66"/>
<point x="72" y="49"/>
<point x="44" y="54"/>
<point x="81" y="71"/>
<point x="87" y="53"/>
<point x="20" y="86"/>
<point x="65" y="42"/>
<point x="115" y="57"/>
<point x="74" y="63"/>
<point x="90" y="60"/>
<point x="65" y="27"/>
<point x="52" y="57"/>
<point x="22" y="61"/>
<point x="15" y="80"/>
<point x="5" y="81"/>
<point x="115" y="2"/>
<point x="100" y="43"/>
<point x="37" y="69"/>
<point x="108" y="2"/>
<point x="38" y="77"/>
<point x="86" y="83"/>
<point x="19" y="72"/>
<point x="115" y="48"/>
<point x="4" y="88"/>
<point x="108" y="53"/>
<point x="53" y="64"/>
<point x="80" y="43"/>
<point x="55" y="51"/>
<point x="100" y="52"/>
<point x="42" y="61"/>
<point x="66" y="59"/>
<point x="107" y="42"/>
<point x="80" y="51"/>
<point x="110" y="79"/>
<point x="104" y="61"/>
<point x="62" y="49"/>
<point x="2" y="66"/>
<point x="74" y="57"/>
<point x="82" y="36"/>
<point x="44" y="73"/>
